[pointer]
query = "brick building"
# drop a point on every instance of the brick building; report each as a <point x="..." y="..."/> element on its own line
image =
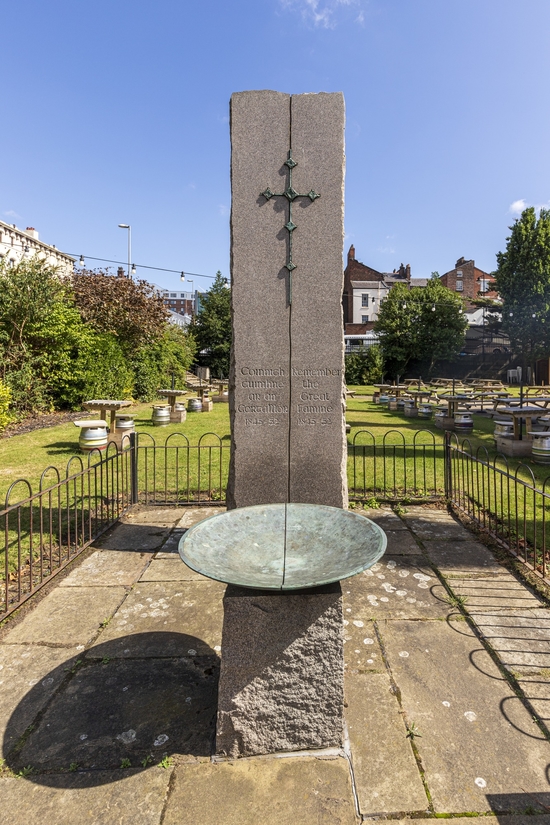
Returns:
<point x="469" y="281"/>
<point x="364" y="289"/>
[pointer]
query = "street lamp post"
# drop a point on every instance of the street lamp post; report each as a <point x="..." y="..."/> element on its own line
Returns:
<point x="129" y="228"/>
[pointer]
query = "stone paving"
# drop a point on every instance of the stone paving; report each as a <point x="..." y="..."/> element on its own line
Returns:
<point x="108" y="692"/>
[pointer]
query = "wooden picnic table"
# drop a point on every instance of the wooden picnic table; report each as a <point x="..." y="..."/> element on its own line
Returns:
<point x="104" y="406"/>
<point x="392" y="389"/>
<point x="454" y="401"/>
<point x="518" y="414"/>
<point x="541" y="402"/>
<point x="172" y="396"/>
<point x="419" y="395"/>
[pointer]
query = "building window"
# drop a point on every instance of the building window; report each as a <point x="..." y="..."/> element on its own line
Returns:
<point x="459" y="274"/>
<point x="483" y="285"/>
<point x="364" y="319"/>
<point x="459" y="286"/>
<point x="173" y="295"/>
<point x="364" y="300"/>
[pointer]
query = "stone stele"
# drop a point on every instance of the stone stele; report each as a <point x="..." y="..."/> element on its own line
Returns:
<point x="282" y="671"/>
<point x="286" y="384"/>
<point x="281" y="682"/>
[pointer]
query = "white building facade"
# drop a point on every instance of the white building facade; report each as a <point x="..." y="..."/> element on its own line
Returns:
<point x="16" y="244"/>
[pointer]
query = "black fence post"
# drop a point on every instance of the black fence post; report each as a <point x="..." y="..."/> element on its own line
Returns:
<point x="447" y="466"/>
<point x="134" y="493"/>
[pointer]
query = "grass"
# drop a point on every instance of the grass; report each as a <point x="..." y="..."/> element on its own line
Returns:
<point x="27" y="455"/>
<point x="408" y="467"/>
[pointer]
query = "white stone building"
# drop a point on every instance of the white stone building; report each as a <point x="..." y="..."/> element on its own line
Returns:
<point x="16" y="244"/>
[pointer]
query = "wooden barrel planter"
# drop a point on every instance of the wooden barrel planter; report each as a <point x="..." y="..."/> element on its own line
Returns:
<point x="464" y="423"/>
<point x="392" y="403"/>
<point x="401" y="405"/>
<point x="161" y="415"/>
<point x="376" y="397"/>
<point x="410" y="410"/>
<point x="93" y="438"/>
<point x="194" y="405"/>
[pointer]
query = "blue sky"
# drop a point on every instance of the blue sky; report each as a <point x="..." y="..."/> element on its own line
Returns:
<point x="116" y="111"/>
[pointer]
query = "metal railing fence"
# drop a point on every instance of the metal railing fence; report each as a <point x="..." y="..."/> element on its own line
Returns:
<point x="45" y="529"/>
<point x="393" y="468"/>
<point x="508" y="504"/>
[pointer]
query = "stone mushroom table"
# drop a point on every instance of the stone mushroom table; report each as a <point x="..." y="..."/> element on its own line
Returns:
<point x="176" y="416"/>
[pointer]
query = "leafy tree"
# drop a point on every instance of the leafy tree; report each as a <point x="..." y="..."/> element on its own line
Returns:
<point x="365" y="366"/>
<point x="523" y="282"/>
<point x="42" y="336"/>
<point x="155" y="364"/>
<point x="212" y="327"/>
<point x="129" y="309"/>
<point x="5" y="400"/>
<point x="421" y="324"/>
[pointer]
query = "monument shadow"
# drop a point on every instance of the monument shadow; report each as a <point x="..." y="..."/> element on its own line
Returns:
<point x="109" y="713"/>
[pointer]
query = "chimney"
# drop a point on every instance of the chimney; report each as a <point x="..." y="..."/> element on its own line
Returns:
<point x="408" y="272"/>
<point x="351" y="253"/>
<point x="120" y="272"/>
<point x="30" y="230"/>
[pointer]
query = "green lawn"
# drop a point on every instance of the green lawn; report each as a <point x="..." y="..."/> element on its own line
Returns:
<point x="390" y="457"/>
<point x="28" y="455"/>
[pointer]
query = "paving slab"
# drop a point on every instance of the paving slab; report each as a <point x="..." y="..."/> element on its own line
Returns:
<point x="413" y="511"/>
<point x="362" y="653"/>
<point x="193" y="515"/>
<point x="494" y="593"/>
<point x="136" y="537"/>
<point x="459" y="557"/>
<point x="68" y="616"/>
<point x="502" y="819"/>
<point x="285" y="791"/>
<point x="23" y="667"/>
<point x="154" y="516"/>
<point x="109" y="568"/>
<point x="401" y="543"/>
<point x="88" y="798"/>
<point x="427" y="528"/>
<point x="156" y="614"/>
<point x="114" y="710"/>
<point x="476" y="738"/>
<point x="520" y="637"/>
<point x="537" y="691"/>
<point x="170" y="547"/>
<point x="171" y="569"/>
<point x="397" y="587"/>
<point x="386" y="519"/>
<point x="378" y="739"/>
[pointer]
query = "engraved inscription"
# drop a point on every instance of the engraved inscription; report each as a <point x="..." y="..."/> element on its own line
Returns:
<point x="264" y="401"/>
<point x="316" y="396"/>
<point x="262" y="396"/>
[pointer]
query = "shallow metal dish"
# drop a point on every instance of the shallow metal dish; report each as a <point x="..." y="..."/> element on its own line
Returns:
<point x="283" y="546"/>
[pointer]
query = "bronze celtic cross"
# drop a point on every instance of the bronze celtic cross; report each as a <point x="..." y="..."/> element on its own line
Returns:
<point x="290" y="194"/>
